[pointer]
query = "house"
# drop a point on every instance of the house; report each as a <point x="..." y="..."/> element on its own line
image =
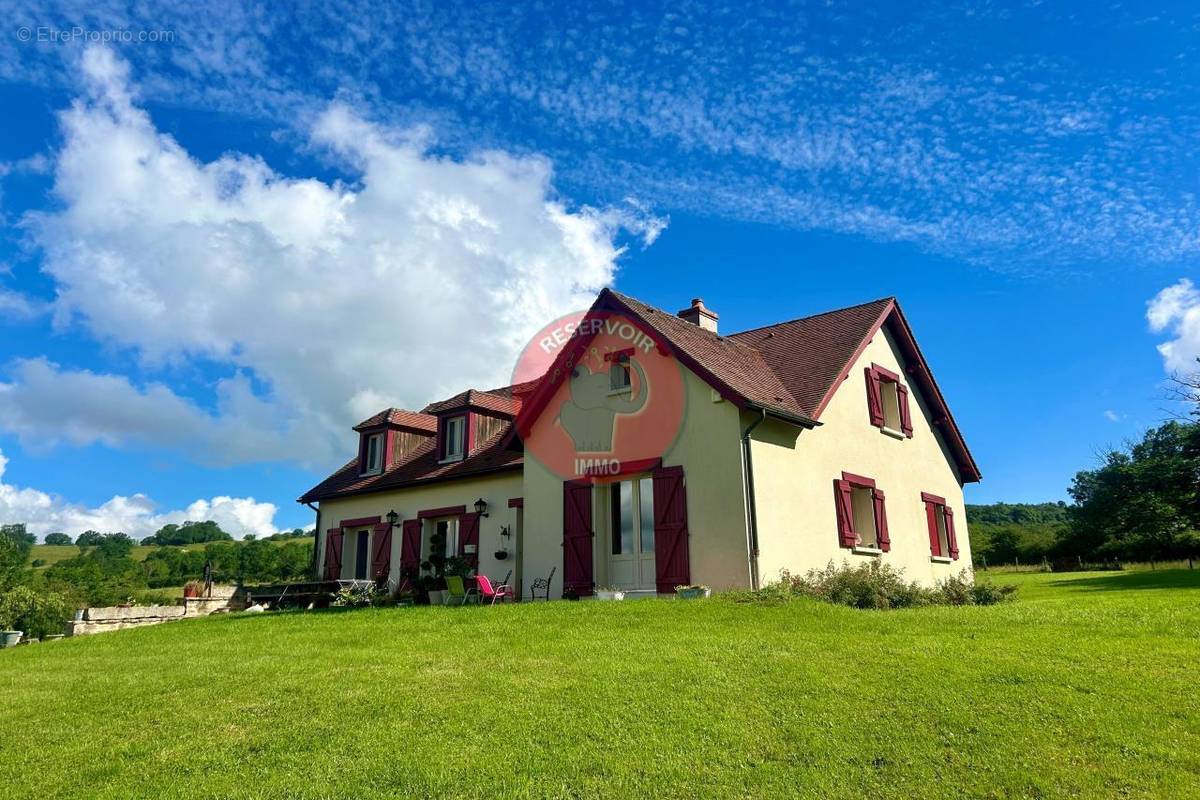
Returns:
<point x="651" y="450"/>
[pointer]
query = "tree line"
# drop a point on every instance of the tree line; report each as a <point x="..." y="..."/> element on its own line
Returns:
<point x="105" y="573"/>
<point x="1140" y="503"/>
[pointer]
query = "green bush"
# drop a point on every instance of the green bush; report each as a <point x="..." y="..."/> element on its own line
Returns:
<point x="35" y="613"/>
<point x="875" y="585"/>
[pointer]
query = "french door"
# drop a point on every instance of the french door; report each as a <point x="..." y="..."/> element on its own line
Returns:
<point x="631" y="535"/>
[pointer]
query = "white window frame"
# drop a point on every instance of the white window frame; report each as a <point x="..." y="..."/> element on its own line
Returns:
<point x="449" y="454"/>
<point x="373" y="466"/>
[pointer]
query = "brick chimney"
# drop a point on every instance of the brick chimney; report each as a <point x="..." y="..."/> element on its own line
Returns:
<point x="699" y="315"/>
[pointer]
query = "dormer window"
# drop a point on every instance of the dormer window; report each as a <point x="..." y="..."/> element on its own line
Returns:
<point x="454" y="438"/>
<point x="373" y="454"/>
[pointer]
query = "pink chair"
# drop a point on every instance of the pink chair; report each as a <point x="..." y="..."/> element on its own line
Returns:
<point x="491" y="594"/>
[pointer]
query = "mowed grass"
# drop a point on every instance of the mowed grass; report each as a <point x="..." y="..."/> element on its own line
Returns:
<point x="1084" y="687"/>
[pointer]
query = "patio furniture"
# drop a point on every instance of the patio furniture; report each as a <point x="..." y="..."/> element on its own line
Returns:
<point x="493" y="593"/>
<point x="543" y="586"/>
<point x="459" y="594"/>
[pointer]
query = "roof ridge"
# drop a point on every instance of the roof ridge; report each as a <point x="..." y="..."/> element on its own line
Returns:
<point x="888" y="298"/>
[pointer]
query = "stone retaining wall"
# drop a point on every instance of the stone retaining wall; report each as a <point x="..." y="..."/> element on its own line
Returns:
<point x="115" y="618"/>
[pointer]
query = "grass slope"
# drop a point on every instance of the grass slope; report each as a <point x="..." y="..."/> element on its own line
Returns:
<point x="52" y="553"/>
<point x="1084" y="687"/>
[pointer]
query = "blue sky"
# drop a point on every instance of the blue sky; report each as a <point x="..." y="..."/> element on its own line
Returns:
<point x="223" y="248"/>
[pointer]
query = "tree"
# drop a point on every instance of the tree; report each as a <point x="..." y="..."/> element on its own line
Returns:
<point x="58" y="538"/>
<point x="1142" y="501"/>
<point x="188" y="533"/>
<point x="1187" y="389"/>
<point x="88" y="539"/>
<point x="15" y="546"/>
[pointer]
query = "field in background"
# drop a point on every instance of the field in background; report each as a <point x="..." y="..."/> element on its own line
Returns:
<point x="1082" y="687"/>
<point x="51" y="553"/>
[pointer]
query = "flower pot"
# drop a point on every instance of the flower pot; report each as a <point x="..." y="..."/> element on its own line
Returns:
<point x="693" y="592"/>
<point x="9" y="638"/>
<point x="609" y="594"/>
<point x="500" y="555"/>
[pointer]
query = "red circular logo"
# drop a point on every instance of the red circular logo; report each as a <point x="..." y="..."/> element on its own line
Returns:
<point x="601" y="394"/>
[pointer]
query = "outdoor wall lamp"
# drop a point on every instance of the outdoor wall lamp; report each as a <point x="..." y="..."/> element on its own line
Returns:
<point x="481" y="507"/>
<point x="392" y="516"/>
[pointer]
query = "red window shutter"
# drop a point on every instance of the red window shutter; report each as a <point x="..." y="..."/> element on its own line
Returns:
<point x="845" y="513"/>
<point x="468" y="533"/>
<point x="881" y="526"/>
<point x="905" y="416"/>
<point x="577" y="538"/>
<point x="381" y="555"/>
<point x="410" y="547"/>
<point x="333" y="554"/>
<point x="935" y="541"/>
<point x="874" y="398"/>
<point x="671" y="564"/>
<point x="950" y="537"/>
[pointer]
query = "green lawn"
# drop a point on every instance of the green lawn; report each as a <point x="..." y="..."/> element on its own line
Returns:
<point x="1085" y="686"/>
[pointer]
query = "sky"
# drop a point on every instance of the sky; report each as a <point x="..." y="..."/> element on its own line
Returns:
<point x="228" y="232"/>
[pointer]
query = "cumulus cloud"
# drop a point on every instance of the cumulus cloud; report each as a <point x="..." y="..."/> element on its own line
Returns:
<point x="135" y="515"/>
<point x="423" y="276"/>
<point x="1176" y="311"/>
<point x="45" y="405"/>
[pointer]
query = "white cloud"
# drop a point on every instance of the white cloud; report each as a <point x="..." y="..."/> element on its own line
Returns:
<point x="45" y="405"/>
<point x="422" y="278"/>
<point x="1176" y="311"/>
<point x="1112" y="416"/>
<point x="134" y="515"/>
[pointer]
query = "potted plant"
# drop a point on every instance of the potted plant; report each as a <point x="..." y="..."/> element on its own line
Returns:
<point x="609" y="593"/>
<point x="193" y="589"/>
<point x="692" y="592"/>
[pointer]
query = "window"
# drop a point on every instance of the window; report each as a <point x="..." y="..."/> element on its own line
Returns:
<point x="939" y="518"/>
<point x="887" y="402"/>
<point x="861" y="514"/>
<point x="373" y="457"/>
<point x="441" y="540"/>
<point x="631" y="513"/>
<point x="618" y="372"/>
<point x="455" y="438"/>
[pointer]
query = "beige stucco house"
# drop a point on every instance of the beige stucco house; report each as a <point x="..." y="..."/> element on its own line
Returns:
<point x="656" y="451"/>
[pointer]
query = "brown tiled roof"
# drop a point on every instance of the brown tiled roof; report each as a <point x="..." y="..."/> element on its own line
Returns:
<point x="809" y="354"/>
<point x="790" y="369"/>
<point x="793" y="368"/>
<point x="733" y="363"/>
<point x="419" y="466"/>
<point x="497" y="400"/>
<point x="401" y="418"/>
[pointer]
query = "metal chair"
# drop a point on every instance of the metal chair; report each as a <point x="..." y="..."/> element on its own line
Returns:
<point x="459" y="593"/>
<point x="492" y="594"/>
<point x="543" y="586"/>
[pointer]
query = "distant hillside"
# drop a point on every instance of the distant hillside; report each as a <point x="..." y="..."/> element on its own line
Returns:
<point x="1008" y="533"/>
<point x="47" y="554"/>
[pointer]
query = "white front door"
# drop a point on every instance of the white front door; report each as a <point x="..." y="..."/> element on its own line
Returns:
<point x="631" y="535"/>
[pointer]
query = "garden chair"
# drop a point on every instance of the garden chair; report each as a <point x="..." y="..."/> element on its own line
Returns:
<point x="459" y="593"/>
<point x="543" y="586"/>
<point x="492" y="593"/>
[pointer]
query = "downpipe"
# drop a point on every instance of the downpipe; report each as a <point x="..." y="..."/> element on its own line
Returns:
<point x="315" y="565"/>
<point x="751" y="506"/>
